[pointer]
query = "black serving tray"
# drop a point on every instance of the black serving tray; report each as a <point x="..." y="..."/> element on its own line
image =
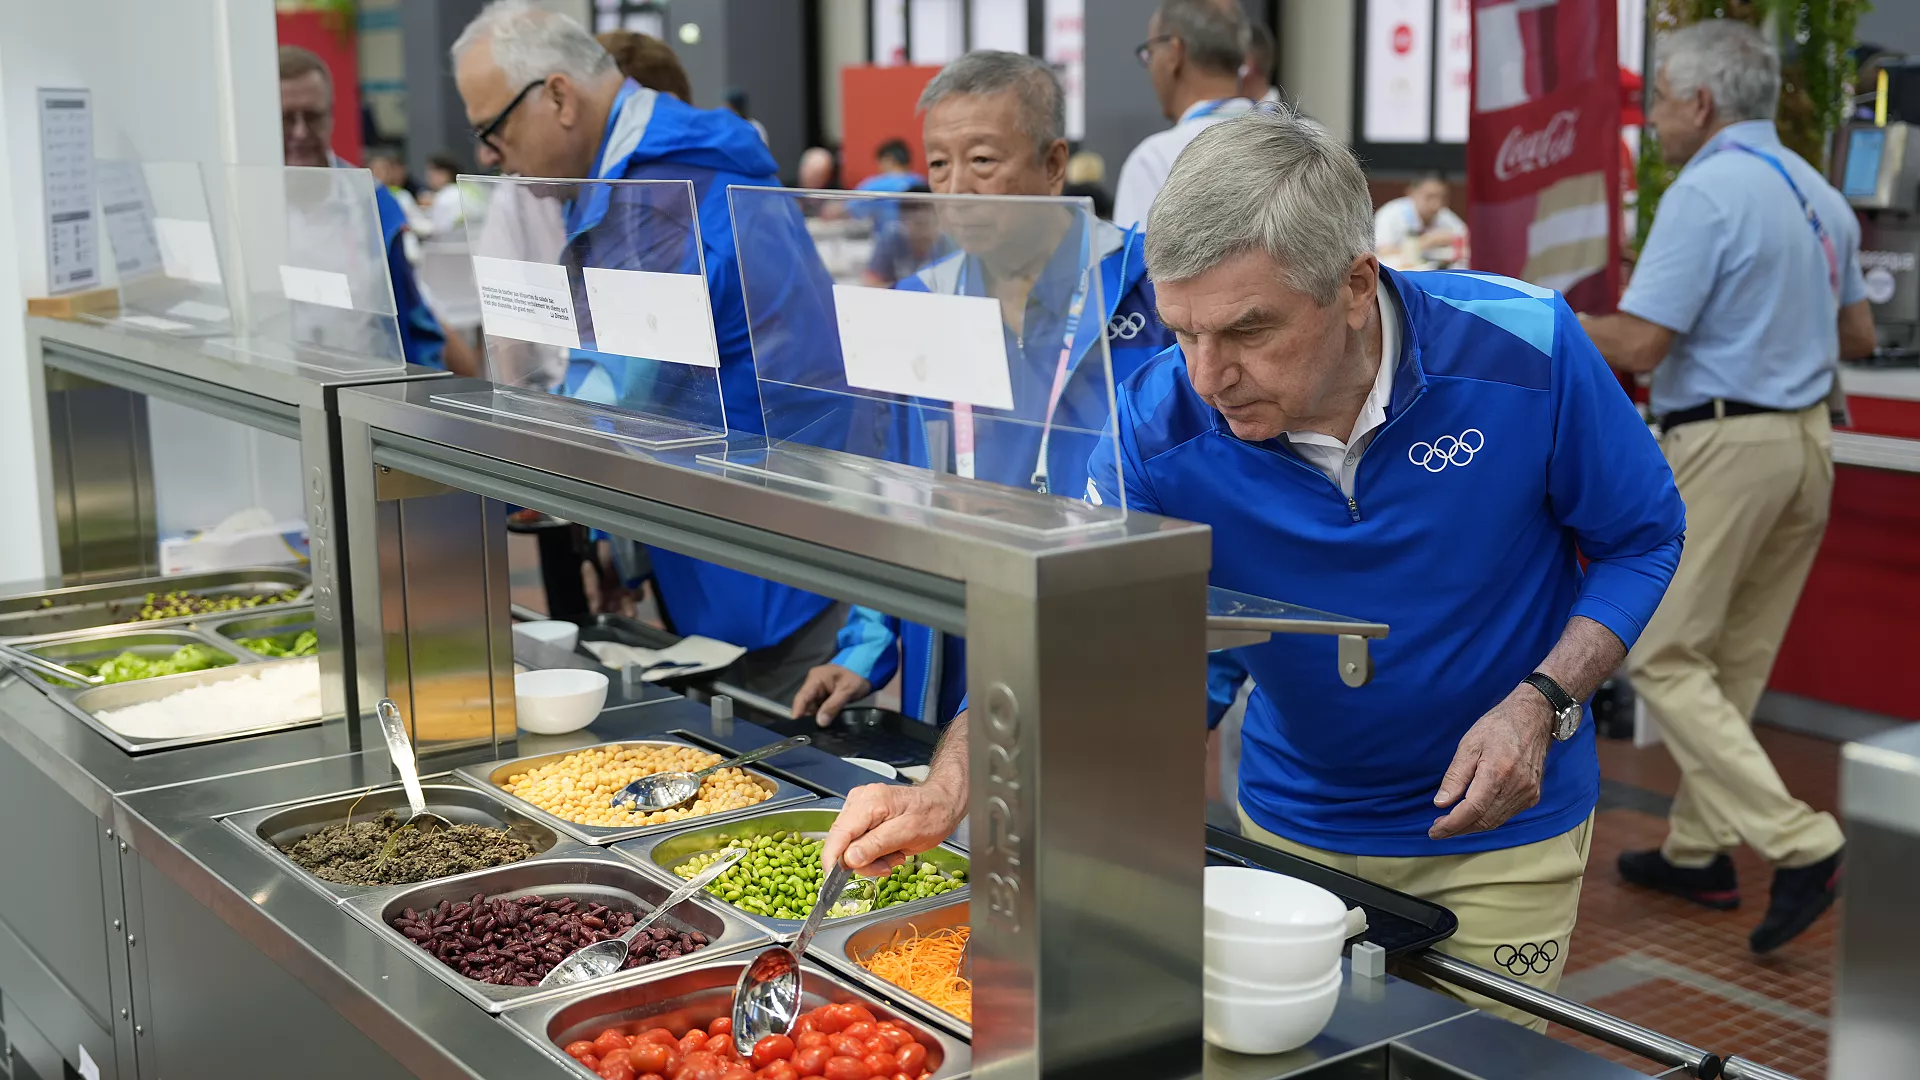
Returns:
<point x="1396" y="922"/>
<point x="866" y="731"/>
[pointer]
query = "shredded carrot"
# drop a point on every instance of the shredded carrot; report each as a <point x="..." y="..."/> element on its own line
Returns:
<point x="928" y="967"/>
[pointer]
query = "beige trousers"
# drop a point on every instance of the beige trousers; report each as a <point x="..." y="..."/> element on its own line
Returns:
<point x="1516" y="906"/>
<point x="1757" y="489"/>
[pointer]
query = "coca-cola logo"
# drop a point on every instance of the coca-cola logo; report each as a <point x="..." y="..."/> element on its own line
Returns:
<point x="1522" y="152"/>
<point x="1403" y="39"/>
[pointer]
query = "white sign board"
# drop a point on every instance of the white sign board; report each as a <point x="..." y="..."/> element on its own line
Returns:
<point x="924" y="345"/>
<point x="187" y="250"/>
<point x="654" y="316"/>
<point x="1453" y="86"/>
<point x="307" y="285"/>
<point x="66" y="185"/>
<point x="1399" y="71"/>
<point x="526" y="301"/>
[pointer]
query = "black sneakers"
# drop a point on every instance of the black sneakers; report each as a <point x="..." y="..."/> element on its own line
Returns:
<point x="1713" y="886"/>
<point x="1799" y="897"/>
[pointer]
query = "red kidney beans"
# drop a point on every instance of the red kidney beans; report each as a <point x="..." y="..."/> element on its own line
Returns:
<point x="515" y="941"/>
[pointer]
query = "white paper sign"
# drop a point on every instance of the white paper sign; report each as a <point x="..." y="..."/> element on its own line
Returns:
<point x="526" y="301"/>
<point x="316" y="286"/>
<point x="66" y="184"/>
<point x="197" y="309"/>
<point x="949" y="348"/>
<point x="127" y="211"/>
<point x="89" y="1069"/>
<point x="187" y="250"/>
<point x="1453" y="85"/>
<point x="662" y="317"/>
<point x="154" y="322"/>
<point x="1399" y="70"/>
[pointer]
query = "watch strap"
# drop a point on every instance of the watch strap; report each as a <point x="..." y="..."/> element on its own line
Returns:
<point x="1555" y="694"/>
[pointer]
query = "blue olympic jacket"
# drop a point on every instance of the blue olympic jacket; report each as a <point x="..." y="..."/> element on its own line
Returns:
<point x="1509" y="451"/>
<point x="653" y="136"/>
<point x="420" y="337"/>
<point x="936" y="683"/>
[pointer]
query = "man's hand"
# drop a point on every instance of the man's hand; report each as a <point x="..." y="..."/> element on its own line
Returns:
<point x="883" y="825"/>
<point x="829" y="688"/>
<point x="1498" y="766"/>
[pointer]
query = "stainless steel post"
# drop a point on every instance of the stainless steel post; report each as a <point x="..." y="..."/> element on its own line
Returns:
<point x="1876" y="1001"/>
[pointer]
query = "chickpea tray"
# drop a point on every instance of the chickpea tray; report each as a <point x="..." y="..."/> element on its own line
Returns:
<point x="573" y="791"/>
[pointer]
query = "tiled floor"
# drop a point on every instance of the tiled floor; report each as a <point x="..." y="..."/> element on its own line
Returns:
<point x="1685" y="971"/>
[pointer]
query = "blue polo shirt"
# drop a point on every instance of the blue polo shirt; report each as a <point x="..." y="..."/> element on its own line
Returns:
<point x="1735" y="270"/>
<point x="1509" y="450"/>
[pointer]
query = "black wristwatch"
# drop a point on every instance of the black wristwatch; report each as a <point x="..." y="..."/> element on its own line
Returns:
<point x="1566" y="711"/>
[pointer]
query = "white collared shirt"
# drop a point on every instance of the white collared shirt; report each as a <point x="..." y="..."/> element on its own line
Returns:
<point x="1341" y="460"/>
<point x="1146" y="169"/>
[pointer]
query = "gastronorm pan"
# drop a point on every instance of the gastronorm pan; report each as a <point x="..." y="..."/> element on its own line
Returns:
<point x="842" y="945"/>
<point x="84" y="607"/>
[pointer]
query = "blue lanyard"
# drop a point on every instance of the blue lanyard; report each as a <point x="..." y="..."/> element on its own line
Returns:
<point x="1820" y="233"/>
<point x="1211" y="107"/>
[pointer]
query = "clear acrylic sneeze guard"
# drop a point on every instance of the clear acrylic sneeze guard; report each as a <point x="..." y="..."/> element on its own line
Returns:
<point x="594" y="308"/>
<point x="165" y="257"/>
<point x="307" y="277"/>
<point x="954" y="360"/>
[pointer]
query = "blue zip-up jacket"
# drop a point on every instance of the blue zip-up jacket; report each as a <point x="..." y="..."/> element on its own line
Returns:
<point x="421" y="340"/>
<point x="1509" y="450"/>
<point x="934" y="691"/>
<point x="652" y="136"/>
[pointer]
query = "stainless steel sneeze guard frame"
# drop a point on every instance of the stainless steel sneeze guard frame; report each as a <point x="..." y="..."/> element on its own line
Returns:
<point x="492" y="777"/>
<point x="1107" y="898"/>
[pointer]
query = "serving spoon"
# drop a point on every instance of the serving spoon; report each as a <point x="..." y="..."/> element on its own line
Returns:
<point x="606" y="957"/>
<point x="766" y="1001"/>
<point x="400" y="749"/>
<point x="665" y="790"/>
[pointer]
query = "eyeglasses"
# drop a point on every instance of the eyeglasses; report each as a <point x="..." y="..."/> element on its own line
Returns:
<point x="485" y="132"/>
<point x="314" y="119"/>
<point x="1143" y="52"/>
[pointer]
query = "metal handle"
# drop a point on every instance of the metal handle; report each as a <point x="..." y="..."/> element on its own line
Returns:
<point x="400" y="749"/>
<point x="1535" y="1002"/>
<point x="44" y="666"/>
<point x="830" y="891"/>
<point x="699" y="881"/>
<point x="1739" y="1068"/>
<point x="761" y="754"/>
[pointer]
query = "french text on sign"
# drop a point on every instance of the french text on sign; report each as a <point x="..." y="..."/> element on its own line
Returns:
<point x="526" y="301"/>
<point x="926" y="345"/>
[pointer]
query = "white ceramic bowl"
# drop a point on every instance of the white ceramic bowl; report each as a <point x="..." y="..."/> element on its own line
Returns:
<point x="1274" y="963"/>
<point x="1269" y="1025"/>
<point x="872" y="766"/>
<point x="558" y="633"/>
<point x="1262" y="904"/>
<point x="1218" y="982"/>
<point x="558" y="700"/>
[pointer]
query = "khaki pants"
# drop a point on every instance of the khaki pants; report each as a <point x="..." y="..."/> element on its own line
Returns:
<point x="1516" y="906"/>
<point x="1756" y="489"/>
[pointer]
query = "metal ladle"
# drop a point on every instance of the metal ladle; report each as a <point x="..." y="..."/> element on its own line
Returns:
<point x="400" y="749"/>
<point x="665" y="790"/>
<point x="606" y="957"/>
<point x="46" y="667"/>
<point x="766" y="1001"/>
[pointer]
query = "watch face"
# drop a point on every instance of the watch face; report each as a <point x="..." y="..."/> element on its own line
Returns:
<point x="1566" y="722"/>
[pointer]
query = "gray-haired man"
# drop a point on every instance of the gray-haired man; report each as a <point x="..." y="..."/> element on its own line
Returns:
<point x="1193" y="53"/>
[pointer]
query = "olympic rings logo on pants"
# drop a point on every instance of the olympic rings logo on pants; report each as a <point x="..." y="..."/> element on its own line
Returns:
<point x="1527" y="957"/>
<point x="1447" y="450"/>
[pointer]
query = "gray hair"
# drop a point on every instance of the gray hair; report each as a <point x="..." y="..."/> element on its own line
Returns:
<point x="1043" y="105"/>
<point x="1269" y="181"/>
<point x="1215" y="32"/>
<point x="531" y="43"/>
<point x="1731" y="61"/>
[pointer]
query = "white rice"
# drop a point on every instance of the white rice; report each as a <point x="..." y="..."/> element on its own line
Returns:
<point x="280" y="693"/>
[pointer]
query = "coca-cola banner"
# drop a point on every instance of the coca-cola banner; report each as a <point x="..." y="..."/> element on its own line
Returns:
<point x="1543" y="146"/>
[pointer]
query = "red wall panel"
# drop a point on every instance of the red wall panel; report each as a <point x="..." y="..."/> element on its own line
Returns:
<point x="876" y="104"/>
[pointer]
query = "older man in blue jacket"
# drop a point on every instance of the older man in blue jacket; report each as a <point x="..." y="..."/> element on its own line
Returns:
<point x="1432" y="450"/>
<point x="995" y="124"/>
<point x="546" y="100"/>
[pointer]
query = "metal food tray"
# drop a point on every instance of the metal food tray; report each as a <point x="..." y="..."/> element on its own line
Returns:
<point x="267" y="827"/>
<point x="664" y="852"/>
<point x="579" y="872"/>
<point x="93" y="646"/>
<point x="492" y="776"/>
<point x="1396" y="922"/>
<point x="232" y="628"/>
<point x="842" y="945"/>
<point x="115" y="603"/>
<point x="695" y="997"/>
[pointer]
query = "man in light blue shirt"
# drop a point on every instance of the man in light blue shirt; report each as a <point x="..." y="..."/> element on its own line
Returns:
<point x="1747" y="294"/>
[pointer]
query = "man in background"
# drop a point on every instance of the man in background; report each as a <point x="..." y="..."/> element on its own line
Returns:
<point x="1417" y="232"/>
<point x="306" y="133"/>
<point x="737" y="104"/>
<point x="545" y="99"/>
<point x="896" y="174"/>
<point x="1746" y="294"/>
<point x="443" y="196"/>
<point x="1193" y="53"/>
<point x="1256" y="78"/>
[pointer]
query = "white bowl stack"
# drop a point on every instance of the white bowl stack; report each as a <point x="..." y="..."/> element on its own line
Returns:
<point x="1272" y="959"/>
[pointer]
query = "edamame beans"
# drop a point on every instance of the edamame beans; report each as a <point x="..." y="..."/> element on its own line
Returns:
<point x="780" y="877"/>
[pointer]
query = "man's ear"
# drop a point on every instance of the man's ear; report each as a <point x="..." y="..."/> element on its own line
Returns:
<point x="1362" y="287"/>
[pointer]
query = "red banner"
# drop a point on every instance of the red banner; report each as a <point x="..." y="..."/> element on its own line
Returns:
<point x="1543" y="146"/>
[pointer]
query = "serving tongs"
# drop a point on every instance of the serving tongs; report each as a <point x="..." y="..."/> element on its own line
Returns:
<point x="45" y="667"/>
<point x="400" y="749"/>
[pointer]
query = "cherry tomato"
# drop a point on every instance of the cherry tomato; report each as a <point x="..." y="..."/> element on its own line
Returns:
<point x="579" y="1049"/>
<point x="737" y="1071"/>
<point x="614" y="1069"/>
<point x="831" y="1019"/>
<point x="771" y="1049"/>
<point x="878" y="1045"/>
<point x="811" y="1061"/>
<point x="649" y="1057"/>
<point x="846" y="1068"/>
<point x="858" y="1013"/>
<point x="805" y="1039"/>
<point x="880" y="1064"/>
<point x="721" y="1046"/>
<point x="895" y="1038"/>
<point x="700" y="1066"/>
<point x="608" y="1042"/>
<point x="674" y="1058"/>
<point x="904" y="1076"/>
<point x="591" y="1062"/>
<point x="693" y="1042"/>
<point x="847" y="1046"/>
<point x="649" y="1076"/>
<point x="657" y="1035"/>
<point x="861" y="1029"/>
<point x="912" y="1059"/>
<point x="803" y="1025"/>
<point x="779" y="1070"/>
<point x="722" y="1026"/>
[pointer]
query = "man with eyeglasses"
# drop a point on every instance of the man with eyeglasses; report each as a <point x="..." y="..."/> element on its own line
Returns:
<point x="1193" y="53"/>
<point x="546" y="100"/>
<point x="306" y="131"/>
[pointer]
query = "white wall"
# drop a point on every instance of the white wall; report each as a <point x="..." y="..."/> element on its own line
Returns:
<point x="172" y="80"/>
<point x="843" y="43"/>
<point x="1316" y="60"/>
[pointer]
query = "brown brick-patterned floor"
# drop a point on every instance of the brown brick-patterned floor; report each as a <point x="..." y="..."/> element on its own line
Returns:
<point x="1692" y="976"/>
